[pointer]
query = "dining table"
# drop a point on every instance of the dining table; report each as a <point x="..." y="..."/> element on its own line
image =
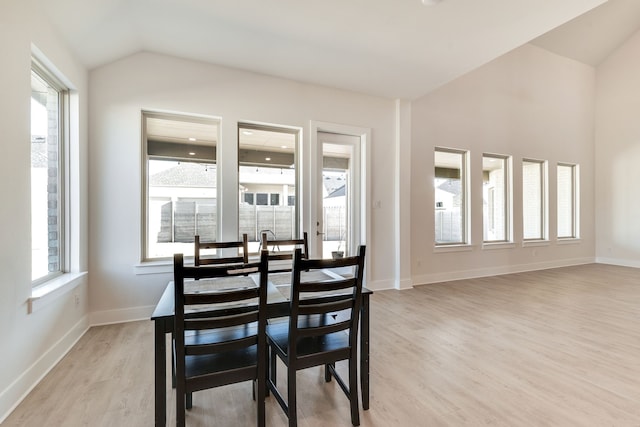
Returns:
<point x="278" y="291"/>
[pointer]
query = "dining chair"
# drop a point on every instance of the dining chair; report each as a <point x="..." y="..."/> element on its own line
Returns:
<point x="241" y="255"/>
<point x="219" y="338"/>
<point x="282" y="249"/>
<point x="322" y="328"/>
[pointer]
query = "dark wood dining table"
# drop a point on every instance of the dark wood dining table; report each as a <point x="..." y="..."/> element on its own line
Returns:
<point x="277" y="306"/>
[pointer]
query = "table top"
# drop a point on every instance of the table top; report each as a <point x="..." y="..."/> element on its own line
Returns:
<point x="278" y="288"/>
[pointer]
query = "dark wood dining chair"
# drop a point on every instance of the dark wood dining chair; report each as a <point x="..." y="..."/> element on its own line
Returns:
<point x="322" y="328"/>
<point x="219" y="339"/>
<point x="241" y="254"/>
<point x="282" y="249"/>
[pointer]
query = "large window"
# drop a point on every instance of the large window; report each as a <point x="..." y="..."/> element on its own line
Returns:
<point x="450" y="196"/>
<point x="534" y="199"/>
<point x="179" y="183"/>
<point x="49" y="101"/>
<point x="567" y="176"/>
<point x="495" y="198"/>
<point x="267" y="182"/>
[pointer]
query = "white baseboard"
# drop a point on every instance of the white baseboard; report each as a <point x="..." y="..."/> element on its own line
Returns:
<point x="496" y="271"/>
<point x="15" y="393"/>
<point x="619" y="262"/>
<point x="122" y="315"/>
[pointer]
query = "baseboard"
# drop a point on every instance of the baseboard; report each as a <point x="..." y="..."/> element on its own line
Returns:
<point x="379" y="285"/>
<point x="122" y="315"/>
<point x="497" y="271"/>
<point x="619" y="262"/>
<point x="15" y="393"/>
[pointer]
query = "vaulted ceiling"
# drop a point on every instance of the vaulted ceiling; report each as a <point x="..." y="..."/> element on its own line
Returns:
<point x="393" y="48"/>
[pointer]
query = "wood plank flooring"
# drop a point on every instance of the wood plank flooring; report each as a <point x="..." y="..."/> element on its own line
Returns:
<point x="557" y="347"/>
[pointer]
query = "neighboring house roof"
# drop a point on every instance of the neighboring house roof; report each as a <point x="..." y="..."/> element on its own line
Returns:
<point x="340" y="192"/>
<point x="185" y="174"/>
<point x="332" y="183"/>
<point x="450" y="186"/>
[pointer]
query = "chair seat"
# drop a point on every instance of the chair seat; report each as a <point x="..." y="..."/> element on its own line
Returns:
<point x="278" y="335"/>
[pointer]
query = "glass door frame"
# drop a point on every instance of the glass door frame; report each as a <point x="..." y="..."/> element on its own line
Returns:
<point x="360" y="186"/>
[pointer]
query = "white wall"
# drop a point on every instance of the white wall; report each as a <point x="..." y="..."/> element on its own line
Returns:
<point x="618" y="156"/>
<point x="32" y="343"/>
<point x="528" y="103"/>
<point x="119" y="91"/>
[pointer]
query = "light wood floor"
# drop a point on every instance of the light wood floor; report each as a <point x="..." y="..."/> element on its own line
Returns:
<point x="550" y="348"/>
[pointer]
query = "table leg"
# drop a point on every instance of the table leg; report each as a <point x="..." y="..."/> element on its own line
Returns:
<point x="160" y="351"/>
<point x="364" y="351"/>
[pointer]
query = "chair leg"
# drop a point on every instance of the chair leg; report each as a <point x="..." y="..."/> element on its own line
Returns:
<point x="272" y="365"/>
<point x="180" y="405"/>
<point x="327" y="372"/>
<point x="173" y="361"/>
<point x="291" y="397"/>
<point x="189" y="401"/>
<point x="261" y="385"/>
<point x="353" y="392"/>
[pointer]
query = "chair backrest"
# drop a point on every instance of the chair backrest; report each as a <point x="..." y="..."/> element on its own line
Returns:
<point x="322" y="304"/>
<point x="199" y="308"/>
<point x="282" y="249"/>
<point x="219" y="247"/>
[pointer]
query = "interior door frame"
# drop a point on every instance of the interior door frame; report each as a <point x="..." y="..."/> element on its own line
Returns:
<point x="363" y="232"/>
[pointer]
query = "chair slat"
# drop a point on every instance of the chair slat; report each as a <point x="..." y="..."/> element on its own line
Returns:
<point x="242" y="255"/>
<point x="199" y="324"/>
<point x="324" y="286"/>
<point x="325" y="307"/>
<point x="223" y="296"/>
<point x="226" y="346"/>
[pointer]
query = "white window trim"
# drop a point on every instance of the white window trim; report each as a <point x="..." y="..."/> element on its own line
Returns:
<point x="575" y="202"/>
<point x="544" y="202"/>
<point x="508" y="177"/>
<point x="45" y="70"/>
<point x="466" y="209"/>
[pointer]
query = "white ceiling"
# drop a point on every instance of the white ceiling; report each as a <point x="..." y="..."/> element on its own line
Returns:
<point x="393" y="48"/>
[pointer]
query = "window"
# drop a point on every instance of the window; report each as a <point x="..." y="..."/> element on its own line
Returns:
<point x="567" y="201"/>
<point x="495" y="198"/>
<point x="49" y="125"/>
<point x="179" y="183"/>
<point x="266" y="165"/>
<point x="450" y="196"/>
<point x="534" y="199"/>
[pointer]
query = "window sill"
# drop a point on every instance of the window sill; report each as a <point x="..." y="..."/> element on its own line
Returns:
<point x="569" y="241"/>
<point x="531" y="243"/>
<point x="42" y="295"/>
<point x="498" y="245"/>
<point x="154" y="267"/>
<point x="452" y="248"/>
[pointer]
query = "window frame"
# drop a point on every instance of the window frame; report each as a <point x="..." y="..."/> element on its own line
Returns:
<point x="63" y="183"/>
<point x="465" y="205"/>
<point x="507" y="197"/>
<point x="544" y="204"/>
<point x="574" y="200"/>
<point x="296" y="133"/>
<point x="145" y="208"/>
